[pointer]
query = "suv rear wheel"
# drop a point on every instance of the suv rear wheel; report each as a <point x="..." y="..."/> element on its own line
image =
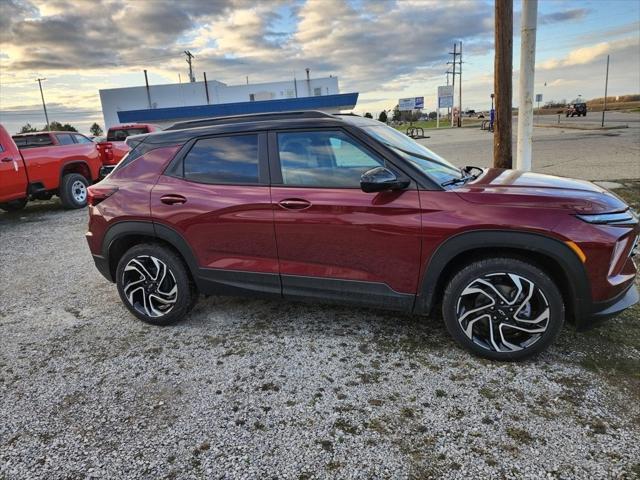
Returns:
<point x="503" y="309"/>
<point x="154" y="284"/>
<point x="73" y="191"/>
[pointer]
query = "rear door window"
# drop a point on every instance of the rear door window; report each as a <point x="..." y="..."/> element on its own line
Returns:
<point x="81" y="138"/>
<point x="64" y="138"/>
<point x="223" y="160"/>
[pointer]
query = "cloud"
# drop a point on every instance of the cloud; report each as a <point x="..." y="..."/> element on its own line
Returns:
<point x="572" y="15"/>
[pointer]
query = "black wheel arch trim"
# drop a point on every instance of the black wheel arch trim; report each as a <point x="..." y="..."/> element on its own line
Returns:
<point x="552" y="248"/>
<point x="148" y="228"/>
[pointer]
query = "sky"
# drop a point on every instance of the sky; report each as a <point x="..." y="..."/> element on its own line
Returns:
<point x="383" y="49"/>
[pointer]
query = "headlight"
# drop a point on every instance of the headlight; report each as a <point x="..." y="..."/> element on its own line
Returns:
<point x="625" y="218"/>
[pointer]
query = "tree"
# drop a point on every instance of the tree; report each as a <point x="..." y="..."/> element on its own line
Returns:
<point x="59" y="127"/>
<point x="383" y="116"/>
<point x="396" y="114"/>
<point x="368" y="115"/>
<point x="96" y="130"/>
<point x="27" y="128"/>
<point x="433" y="115"/>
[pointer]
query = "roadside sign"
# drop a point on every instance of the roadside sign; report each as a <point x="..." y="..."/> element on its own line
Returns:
<point x="445" y="96"/>
<point x="411" y="103"/>
<point x="538" y="97"/>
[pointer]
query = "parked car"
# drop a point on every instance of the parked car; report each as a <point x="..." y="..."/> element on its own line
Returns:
<point x="579" y="109"/>
<point x="324" y="207"/>
<point x="470" y="113"/>
<point x="113" y="148"/>
<point x="40" y="165"/>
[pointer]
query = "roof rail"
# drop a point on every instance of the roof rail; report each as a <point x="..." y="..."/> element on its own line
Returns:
<point x="254" y="117"/>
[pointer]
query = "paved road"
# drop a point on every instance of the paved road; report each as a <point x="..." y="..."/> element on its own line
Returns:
<point x="585" y="154"/>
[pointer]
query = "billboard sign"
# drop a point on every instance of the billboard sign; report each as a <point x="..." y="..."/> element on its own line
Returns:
<point x="445" y="96"/>
<point x="412" y="103"/>
<point x="538" y="97"/>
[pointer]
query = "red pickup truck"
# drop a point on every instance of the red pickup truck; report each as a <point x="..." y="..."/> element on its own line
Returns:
<point x="40" y="165"/>
<point x="114" y="148"/>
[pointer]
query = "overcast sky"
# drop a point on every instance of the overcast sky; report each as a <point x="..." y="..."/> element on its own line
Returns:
<point x="384" y="49"/>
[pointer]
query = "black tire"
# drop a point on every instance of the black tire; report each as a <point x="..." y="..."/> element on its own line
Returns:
<point x="177" y="274"/>
<point x="545" y="302"/>
<point x="14" y="205"/>
<point x="73" y="191"/>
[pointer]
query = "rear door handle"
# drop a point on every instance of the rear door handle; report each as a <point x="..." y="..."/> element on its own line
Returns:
<point x="7" y="159"/>
<point x="172" y="199"/>
<point x="294" y="204"/>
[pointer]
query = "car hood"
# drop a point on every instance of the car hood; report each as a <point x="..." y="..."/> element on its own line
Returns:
<point x="518" y="188"/>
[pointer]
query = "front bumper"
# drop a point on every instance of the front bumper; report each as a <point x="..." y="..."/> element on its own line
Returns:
<point x="611" y="308"/>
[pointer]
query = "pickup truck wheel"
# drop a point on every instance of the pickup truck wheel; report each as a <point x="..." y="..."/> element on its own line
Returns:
<point x="14" y="205"/>
<point x="154" y="284"/>
<point x="503" y="309"/>
<point x="73" y="191"/>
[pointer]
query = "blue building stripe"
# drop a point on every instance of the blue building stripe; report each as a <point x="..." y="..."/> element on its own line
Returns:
<point x="344" y="101"/>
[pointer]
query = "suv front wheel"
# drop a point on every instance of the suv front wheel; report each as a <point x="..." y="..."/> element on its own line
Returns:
<point x="503" y="309"/>
<point x="154" y="284"/>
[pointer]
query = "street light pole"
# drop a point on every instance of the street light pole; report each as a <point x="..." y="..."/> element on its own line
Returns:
<point x="44" y="105"/>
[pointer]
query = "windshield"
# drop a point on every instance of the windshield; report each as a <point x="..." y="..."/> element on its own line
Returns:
<point x="420" y="156"/>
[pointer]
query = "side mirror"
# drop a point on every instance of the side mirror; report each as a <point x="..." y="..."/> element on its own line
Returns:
<point x="380" y="179"/>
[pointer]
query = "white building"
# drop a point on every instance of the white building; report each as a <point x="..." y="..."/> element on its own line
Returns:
<point x="165" y="104"/>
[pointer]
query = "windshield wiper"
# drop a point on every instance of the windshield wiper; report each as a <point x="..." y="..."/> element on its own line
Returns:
<point x="419" y="155"/>
<point x="455" y="181"/>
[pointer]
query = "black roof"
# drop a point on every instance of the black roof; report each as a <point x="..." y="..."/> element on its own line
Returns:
<point x="182" y="131"/>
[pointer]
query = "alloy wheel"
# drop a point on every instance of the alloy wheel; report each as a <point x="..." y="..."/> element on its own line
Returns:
<point x="149" y="286"/>
<point x="503" y="312"/>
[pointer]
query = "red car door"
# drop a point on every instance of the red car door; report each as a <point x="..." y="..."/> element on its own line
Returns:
<point x="13" y="176"/>
<point x="216" y="197"/>
<point x="333" y="237"/>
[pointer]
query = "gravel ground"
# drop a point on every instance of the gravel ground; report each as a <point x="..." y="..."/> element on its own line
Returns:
<point x="272" y="389"/>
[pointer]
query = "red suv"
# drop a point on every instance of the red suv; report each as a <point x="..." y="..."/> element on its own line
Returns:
<point x="310" y="205"/>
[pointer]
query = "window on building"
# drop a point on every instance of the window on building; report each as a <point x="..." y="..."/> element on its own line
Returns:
<point x="329" y="159"/>
<point x="220" y="160"/>
<point x="317" y="92"/>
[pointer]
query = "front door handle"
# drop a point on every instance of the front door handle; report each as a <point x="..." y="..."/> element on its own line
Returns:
<point x="172" y="199"/>
<point x="294" y="204"/>
<point x="7" y="159"/>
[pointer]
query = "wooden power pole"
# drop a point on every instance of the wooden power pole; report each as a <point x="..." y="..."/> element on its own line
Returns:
<point x="503" y="71"/>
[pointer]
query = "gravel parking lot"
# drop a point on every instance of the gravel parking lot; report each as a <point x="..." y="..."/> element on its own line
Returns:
<point x="265" y="389"/>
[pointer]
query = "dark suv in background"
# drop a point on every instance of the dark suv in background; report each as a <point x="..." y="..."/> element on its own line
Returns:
<point x="324" y="207"/>
<point x="579" y="109"/>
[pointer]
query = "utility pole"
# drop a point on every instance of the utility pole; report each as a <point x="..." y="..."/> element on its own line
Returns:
<point x="526" y="83"/>
<point x="606" y="86"/>
<point x="453" y="74"/>
<point x="503" y="70"/>
<point x="44" y="105"/>
<point x="189" y="57"/>
<point x="146" y="82"/>
<point x="460" y="88"/>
